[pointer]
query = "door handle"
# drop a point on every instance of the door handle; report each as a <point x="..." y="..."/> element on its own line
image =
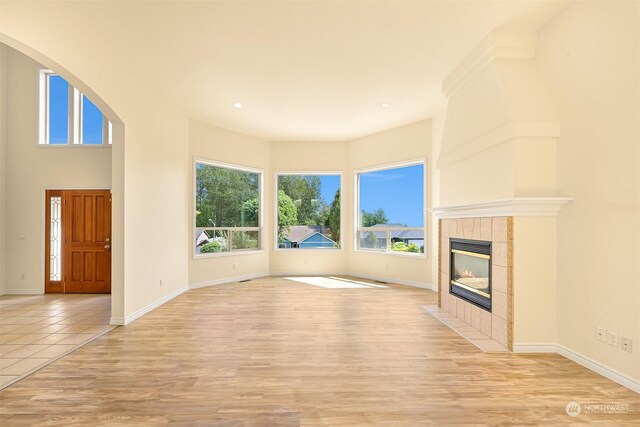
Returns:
<point x="107" y="246"/>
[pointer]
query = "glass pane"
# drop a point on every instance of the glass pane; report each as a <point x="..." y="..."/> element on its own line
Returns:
<point x="392" y="197"/>
<point x="58" y="110"/>
<point x="308" y="211"/>
<point x="91" y="123"/>
<point x="411" y="241"/>
<point x="226" y="197"/>
<point x="245" y="240"/>
<point x="471" y="271"/>
<point x="212" y="241"/>
<point x="55" y="239"/>
<point x="374" y="240"/>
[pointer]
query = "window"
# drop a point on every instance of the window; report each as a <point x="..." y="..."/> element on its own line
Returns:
<point x="67" y="117"/>
<point x="391" y="209"/>
<point x="308" y="211"/>
<point x="228" y="208"/>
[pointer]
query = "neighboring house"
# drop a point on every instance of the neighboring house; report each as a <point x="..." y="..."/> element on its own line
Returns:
<point x="305" y="236"/>
<point x="407" y="236"/>
<point x="202" y="238"/>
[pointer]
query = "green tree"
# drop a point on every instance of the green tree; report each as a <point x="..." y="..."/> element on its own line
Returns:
<point x="305" y="193"/>
<point x="287" y="215"/>
<point x="251" y="210"/>
<point x="220" y="194"/>
<point x="334" y="218"/>
<point x="369" y="219"/>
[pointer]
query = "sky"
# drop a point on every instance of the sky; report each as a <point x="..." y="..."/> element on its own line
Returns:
<point x="329" y="184"/>
<point x="399" y="192"/>
<point x="59" y="115"/>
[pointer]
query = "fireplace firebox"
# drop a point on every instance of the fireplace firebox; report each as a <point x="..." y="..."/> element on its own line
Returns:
<point x="471" y="271"/>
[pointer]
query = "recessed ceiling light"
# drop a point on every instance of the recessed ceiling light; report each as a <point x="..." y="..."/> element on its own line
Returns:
<point x="237" y="105"/>
<point x="385" y="105"/>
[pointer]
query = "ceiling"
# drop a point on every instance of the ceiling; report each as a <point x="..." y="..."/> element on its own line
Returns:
<point x="303" y="70"/>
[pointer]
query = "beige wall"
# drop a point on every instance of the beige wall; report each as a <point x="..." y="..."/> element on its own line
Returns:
<point x="3" y="163"/>
<point x="30" y="169"/>
<point x="410" y="142"/>
<point x="588" y="58"/>
<point x="213" y="143"/>
<point x="309" y="157"/>
<point x="534" y="278"/>
<point x="150" y="167"/>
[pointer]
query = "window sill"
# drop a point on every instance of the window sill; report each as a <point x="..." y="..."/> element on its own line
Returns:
<point x="226" y="254"/>
<point x="306" y="251"/>
<point x="400" y="254"/>
<point x="75" y="145"/>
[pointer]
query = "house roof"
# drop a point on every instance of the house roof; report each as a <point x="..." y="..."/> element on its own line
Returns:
<point x="398" y="234"/>
<point x="300" y="233"/>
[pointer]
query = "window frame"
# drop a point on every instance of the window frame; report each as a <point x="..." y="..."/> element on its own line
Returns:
<point x="75" y="116"/>
<point x="357" y="229"/>
<point x="261" y="210"/>
<point x="276" y="174"/>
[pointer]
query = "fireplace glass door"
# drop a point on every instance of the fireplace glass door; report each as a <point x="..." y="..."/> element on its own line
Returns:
<point x="471" y="271"/>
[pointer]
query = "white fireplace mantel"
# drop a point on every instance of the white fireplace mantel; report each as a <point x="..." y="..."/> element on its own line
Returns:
<point x="519" y="206"/>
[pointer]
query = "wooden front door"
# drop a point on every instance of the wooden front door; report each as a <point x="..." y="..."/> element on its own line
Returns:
<point x="85" y="247"/>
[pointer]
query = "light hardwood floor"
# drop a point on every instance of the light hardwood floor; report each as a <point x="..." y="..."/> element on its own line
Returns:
<point x="275" y="352"/>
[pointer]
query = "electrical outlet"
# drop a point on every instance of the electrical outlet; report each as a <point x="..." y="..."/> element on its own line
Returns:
<point x="233" y="267"/>
<point x="625" y="344"/>
<point x="387" y="266"/>
<point x="160" y="282"/>
<point x="601" y="334"/>
<point x="22" y="276"/>
<point x="612" y="338"/>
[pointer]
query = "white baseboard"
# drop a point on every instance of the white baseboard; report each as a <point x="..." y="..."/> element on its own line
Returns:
<point x="305" y="273"/>
<point x="227" y="280"/>
<point x="396" y="281"/>
<point x="23" y="291"/>
<point x="597" y="367"/>
<point x="144" y="310"/>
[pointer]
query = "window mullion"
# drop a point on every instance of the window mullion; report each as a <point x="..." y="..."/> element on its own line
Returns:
<point x="75" y="114"/>
<point x="105" y="130"/>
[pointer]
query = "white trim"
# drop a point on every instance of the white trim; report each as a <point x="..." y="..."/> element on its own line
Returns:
<point x="597" y="367"/>
<point x="276" y="174"/>
<point x="410" y="255"/>
<point x="519" y="206"/>
<point x="498" y="136"/>
<point x="23" y="291"/>
<point x="356" y="201"/>
<point x="227" y="280"/>
<point x="396" y="281"/>
<point x="226" y="253"/>
<point x="261" y="197"/>
<point x="498" y="44"/>
<point x="74" y="114"/>
<point x="144" y="310"/>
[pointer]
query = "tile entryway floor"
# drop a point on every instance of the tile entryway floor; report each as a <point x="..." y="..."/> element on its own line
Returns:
<point x="35" y="330"/>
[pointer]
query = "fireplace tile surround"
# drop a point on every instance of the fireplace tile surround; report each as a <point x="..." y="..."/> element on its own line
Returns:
<point x="496" y="325"/>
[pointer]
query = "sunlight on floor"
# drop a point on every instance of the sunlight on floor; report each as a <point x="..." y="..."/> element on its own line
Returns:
<point x="333" y="282"/>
